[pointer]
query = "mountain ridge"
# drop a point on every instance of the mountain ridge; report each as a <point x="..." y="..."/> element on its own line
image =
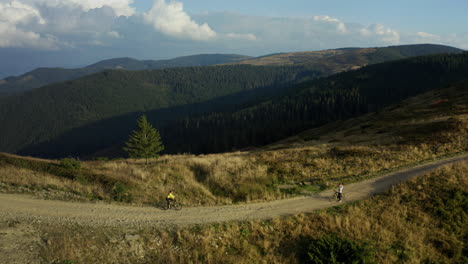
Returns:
<point x="329" y="61"/>
<point x="347" y="56"/>
<point x="44" y="76"/>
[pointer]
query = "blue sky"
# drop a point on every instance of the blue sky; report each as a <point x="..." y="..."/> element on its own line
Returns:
<point x="440" y="16"/>
<point x="71" y="33"/>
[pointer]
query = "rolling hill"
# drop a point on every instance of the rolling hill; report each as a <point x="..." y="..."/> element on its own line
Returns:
<point x="44" y="76"/>
<point x="338" y="60"/>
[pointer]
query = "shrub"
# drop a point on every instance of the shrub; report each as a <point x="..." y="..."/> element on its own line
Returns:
<point x="70" y="163"/>
<point x="121" y="193"/>
<point x="332" y="249"/>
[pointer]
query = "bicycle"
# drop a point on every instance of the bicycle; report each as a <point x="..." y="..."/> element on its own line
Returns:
<point x="335" y="196"/>
<point x="174" y="205"/>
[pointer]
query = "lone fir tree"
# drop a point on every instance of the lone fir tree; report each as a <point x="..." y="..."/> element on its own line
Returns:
<point x="144" y="142"/>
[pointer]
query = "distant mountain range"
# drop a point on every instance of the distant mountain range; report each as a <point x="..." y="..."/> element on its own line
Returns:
<point x="327" y="61"/>
<point x="44" y="76"/>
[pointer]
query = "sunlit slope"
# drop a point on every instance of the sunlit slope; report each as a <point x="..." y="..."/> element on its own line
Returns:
<point x="338" y="60"/>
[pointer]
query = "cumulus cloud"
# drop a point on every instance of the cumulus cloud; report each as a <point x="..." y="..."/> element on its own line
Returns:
<point x="120" y="7"/>
<point x="55" y="24"/>
<point x="14" y="37"/>
<point x="382" y="33"/>
<point x="14" y="15"/>
<point x="340" y="26"/>
<point x="171" y="19"/>
<point x="16" y="12"/>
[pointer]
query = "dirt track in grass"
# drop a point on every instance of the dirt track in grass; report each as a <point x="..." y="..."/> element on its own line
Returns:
<point x="25" y="208"/>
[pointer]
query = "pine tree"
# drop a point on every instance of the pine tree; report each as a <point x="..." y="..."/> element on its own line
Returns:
<point x="145" y="142"/>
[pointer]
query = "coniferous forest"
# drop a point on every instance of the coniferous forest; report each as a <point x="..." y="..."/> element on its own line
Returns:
<point x="315" y="103"/>
<point x="45" y="113"/>
<point x="258" y="116"/>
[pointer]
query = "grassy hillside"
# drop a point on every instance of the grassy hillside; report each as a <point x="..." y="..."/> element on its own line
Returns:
<point x="404" y="225"/>
<point x="418" y="129"/>
<point x="338" y="60"/>
<point x="44" y="76"/>
<point x="45" y="113"/>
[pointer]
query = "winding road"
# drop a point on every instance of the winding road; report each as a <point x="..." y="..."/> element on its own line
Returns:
<point x="21" y="207"/>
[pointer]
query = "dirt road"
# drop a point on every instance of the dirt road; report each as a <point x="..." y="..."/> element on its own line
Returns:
<point x="18" y="207"/>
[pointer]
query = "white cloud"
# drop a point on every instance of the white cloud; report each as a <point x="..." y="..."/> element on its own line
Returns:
<point x="171" y="19"/>
<point x="120" y="7"/>
<point x="14" y="37"/>
<point x="61" y="23"/>
<point x="251" y="37"/>
<point x="388" y="35"/>
<point x="381" y="33"/>
<point x="340" y="26"/>
<point x="15" y="14"/>
<point x="427" y="35"/>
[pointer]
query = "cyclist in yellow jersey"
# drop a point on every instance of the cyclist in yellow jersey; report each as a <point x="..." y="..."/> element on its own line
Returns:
<point x="170" y="198"/>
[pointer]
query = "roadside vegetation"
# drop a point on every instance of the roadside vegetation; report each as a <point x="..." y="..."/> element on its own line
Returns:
<point x="420" y="221"/>
<point x="423" y="128"/>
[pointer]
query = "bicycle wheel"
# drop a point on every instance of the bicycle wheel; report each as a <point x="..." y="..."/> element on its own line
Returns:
<point x="334" y="196"/>
<point x="177" y="206"/>
<point x="163" y="206"/>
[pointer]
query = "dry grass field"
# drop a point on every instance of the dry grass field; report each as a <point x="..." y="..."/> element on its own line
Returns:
<point x="330" y="61"/>
<point x="420" y="221"/>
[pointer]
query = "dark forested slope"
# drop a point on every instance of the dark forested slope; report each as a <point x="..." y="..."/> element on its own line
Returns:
<point x="45" y="113"/>
<point x="187" y="128"/>
<point x="315" y="103"/>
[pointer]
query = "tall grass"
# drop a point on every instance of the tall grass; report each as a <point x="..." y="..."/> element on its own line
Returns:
<point x="421" y="221"/>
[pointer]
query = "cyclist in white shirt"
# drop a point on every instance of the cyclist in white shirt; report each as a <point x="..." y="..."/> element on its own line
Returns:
<point x="340" y="192"/>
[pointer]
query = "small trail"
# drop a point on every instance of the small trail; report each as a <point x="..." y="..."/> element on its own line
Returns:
<point x="20" y="207"/>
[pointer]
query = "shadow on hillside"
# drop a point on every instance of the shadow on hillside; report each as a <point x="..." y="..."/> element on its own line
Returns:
<point x="106" y="137"/>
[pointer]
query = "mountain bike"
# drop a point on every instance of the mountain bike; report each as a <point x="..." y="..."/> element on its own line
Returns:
<point x="174" y="205"/>
<point x="335" y="196"/>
